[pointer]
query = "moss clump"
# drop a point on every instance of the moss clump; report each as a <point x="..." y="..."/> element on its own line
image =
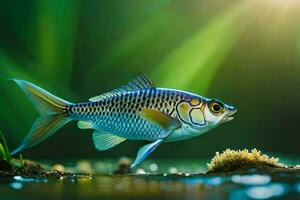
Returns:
<point x="231" y="160"/>
<point x="27" y="169"/>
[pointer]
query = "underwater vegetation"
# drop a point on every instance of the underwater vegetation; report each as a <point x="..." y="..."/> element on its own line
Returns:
<point x="4" y="151"/>
<point x="231" y="160"/>
<point x="27" y="168"/>
<point x="10" y="167"/>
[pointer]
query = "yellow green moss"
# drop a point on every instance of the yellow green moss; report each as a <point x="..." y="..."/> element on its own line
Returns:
<point x="231" y="160"/>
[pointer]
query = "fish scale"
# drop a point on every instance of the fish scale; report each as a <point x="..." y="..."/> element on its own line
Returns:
<point x="120" y="114"/>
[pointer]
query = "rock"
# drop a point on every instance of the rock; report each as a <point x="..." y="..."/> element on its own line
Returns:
<point x="123" y="166"/>
<point x="5" y="166"/>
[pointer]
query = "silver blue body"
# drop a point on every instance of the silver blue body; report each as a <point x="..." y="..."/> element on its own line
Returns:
<point x="120" y="114"/>
<point x="136" y="111"/>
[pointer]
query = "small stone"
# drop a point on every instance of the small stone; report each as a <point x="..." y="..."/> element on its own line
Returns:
<point x="123" y="166"/>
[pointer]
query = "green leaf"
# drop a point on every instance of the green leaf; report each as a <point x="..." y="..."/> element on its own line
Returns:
<point x="2" y="151"/>
<point x="5" y="149"/>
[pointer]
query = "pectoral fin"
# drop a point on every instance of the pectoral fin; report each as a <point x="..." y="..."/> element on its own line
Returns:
<point x="160" y="118"/>
<point x="104" y="141"/>
<point x="145" y="151"/>
<point x="84" y="125"/>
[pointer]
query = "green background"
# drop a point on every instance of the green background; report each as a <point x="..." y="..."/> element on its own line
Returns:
<point x="244" y="52"/>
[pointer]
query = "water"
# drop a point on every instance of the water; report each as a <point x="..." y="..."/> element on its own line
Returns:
<point x="154" y="182"/>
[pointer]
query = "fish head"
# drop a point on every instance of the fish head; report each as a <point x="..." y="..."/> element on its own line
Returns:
<point x="201" y="114"/>
<point x="217" y="112"/>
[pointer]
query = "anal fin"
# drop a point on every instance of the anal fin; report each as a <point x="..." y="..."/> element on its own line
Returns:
<point x="104" y="141"/>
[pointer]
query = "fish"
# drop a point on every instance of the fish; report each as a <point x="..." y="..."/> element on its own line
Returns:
<point x="137" y="110"/>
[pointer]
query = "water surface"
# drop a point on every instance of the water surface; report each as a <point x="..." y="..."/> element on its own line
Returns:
<point x="155" y="181"/>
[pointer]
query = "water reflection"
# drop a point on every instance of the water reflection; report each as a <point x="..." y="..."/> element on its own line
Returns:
<point x="214" y="181"/>
<point x="16" y="185"/>
<point x="252" y="179"/>
<point x="297" y="187"/>
<point x="165" y="186"/>
<point x="270" y="191"/>
<point x="266" y="192"/>
<point x="152" y="182"/>
<point x="29" y="180"/>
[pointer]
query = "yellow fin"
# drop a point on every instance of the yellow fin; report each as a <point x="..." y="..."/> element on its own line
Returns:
<point x="84" y="125"/>
<point x="162" y="119"/>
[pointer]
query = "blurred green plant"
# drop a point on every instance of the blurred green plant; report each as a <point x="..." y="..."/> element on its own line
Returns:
<point x="21" y="159"/>
<point x="4" y="151"/>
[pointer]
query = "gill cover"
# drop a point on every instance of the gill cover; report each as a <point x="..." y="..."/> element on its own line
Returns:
<point x="190" y="113"/>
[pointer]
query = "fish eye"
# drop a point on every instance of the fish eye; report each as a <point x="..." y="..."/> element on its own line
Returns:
<point x="216" y="107"/>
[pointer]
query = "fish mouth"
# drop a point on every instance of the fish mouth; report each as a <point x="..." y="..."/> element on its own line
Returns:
<point x="229" y="117"/>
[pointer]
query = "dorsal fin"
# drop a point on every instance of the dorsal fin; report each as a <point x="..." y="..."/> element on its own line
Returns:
<point x="138" y="83"/>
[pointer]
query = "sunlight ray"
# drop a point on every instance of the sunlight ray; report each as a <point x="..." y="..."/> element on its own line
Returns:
<point x="196" y="61"/>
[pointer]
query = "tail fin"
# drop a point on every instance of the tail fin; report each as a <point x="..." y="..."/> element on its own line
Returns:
<point x="52" y="110"/>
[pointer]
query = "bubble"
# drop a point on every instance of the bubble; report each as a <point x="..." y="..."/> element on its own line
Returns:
<point x="58" y="167"/>
<point x="153" y="167"/>
<point x="173" y="170"/>
<point x="84" y="166"/>
<point x="140" y="171"/>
